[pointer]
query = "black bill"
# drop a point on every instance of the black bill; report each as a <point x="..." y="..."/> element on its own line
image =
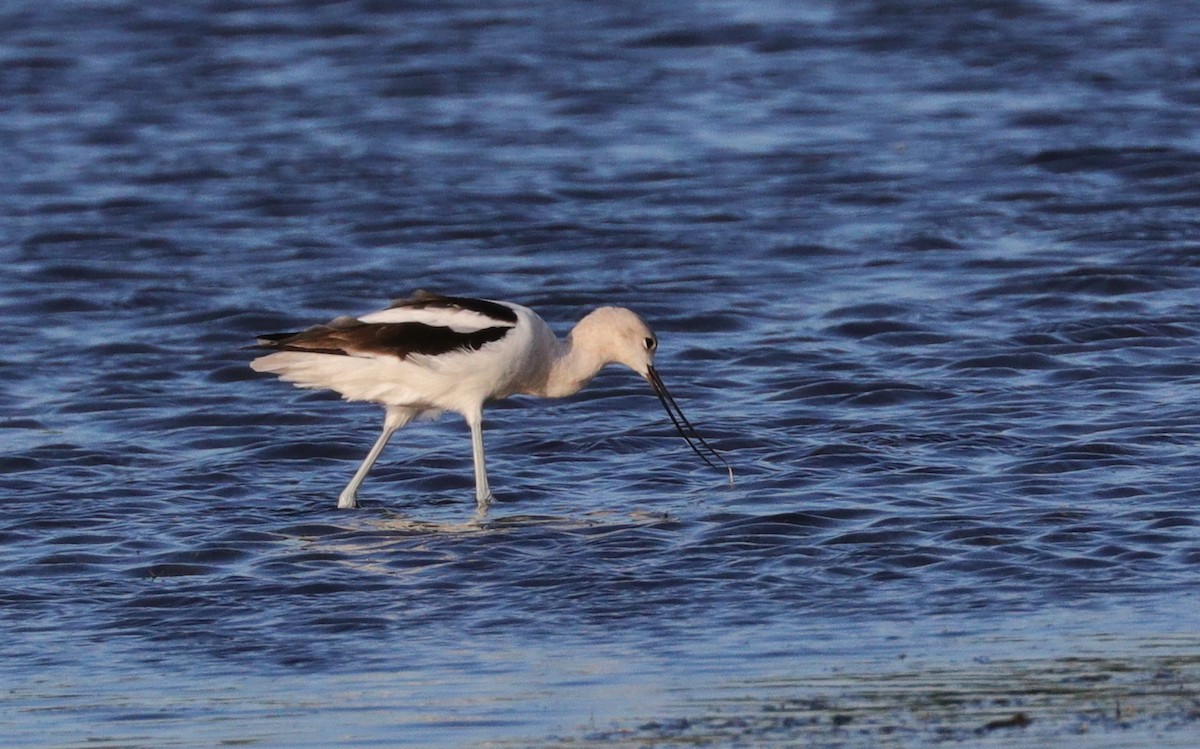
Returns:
<point x="706" y="451"/>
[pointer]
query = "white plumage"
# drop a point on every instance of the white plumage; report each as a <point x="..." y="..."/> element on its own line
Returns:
<point x="430" y="353"/>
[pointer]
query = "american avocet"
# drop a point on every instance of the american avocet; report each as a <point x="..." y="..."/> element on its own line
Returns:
<point x="432" y="353"/>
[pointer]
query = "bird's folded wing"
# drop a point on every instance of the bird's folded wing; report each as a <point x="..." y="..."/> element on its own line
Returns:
<point x="383" y="339"/>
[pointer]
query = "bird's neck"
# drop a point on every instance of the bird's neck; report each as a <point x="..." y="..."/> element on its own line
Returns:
<point x="573" y="368"/>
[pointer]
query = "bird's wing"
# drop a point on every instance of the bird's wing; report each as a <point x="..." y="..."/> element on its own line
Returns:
<point x="424" y="325"/>
<point x="455" y="312"/>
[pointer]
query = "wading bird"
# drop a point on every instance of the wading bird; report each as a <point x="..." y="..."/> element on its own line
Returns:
<point x="433" y="353"/>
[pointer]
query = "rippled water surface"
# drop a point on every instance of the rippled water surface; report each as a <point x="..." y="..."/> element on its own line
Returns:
<point x="927" y="274"/>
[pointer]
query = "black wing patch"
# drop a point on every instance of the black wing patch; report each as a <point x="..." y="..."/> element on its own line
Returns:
<point x="422" y="299"/>
<point x="348" y="337"/>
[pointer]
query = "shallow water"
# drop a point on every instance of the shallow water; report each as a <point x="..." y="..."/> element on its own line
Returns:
<point x="927" y="276"/>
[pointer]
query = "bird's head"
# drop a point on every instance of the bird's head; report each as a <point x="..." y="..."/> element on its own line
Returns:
<point x="617" y="335"/>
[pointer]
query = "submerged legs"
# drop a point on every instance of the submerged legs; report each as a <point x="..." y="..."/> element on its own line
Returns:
<point x="483" y="492"/>
<point x="393" y="419"/>
<point x="398" y="417"/>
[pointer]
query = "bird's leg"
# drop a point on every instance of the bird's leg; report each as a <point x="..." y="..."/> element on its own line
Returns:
<point x="483" y="493"/>
<point x="393" y="420"/>
<point x="348" y="499"/>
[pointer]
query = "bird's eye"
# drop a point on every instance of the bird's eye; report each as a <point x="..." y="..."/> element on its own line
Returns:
<point x="651" y="344"/>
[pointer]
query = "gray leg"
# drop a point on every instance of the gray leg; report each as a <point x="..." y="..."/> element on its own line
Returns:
<point x="393" y="420"/>
<point x="483" y="492"/>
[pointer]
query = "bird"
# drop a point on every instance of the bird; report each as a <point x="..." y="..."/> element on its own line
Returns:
<point x="429" y="353"/>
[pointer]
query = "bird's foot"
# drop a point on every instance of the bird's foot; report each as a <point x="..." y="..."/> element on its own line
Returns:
<point x="347" y="501"/>
<point x="481" y="507"/>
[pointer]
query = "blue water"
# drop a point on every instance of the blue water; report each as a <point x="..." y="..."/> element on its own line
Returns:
<point x="926" y="274"/>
